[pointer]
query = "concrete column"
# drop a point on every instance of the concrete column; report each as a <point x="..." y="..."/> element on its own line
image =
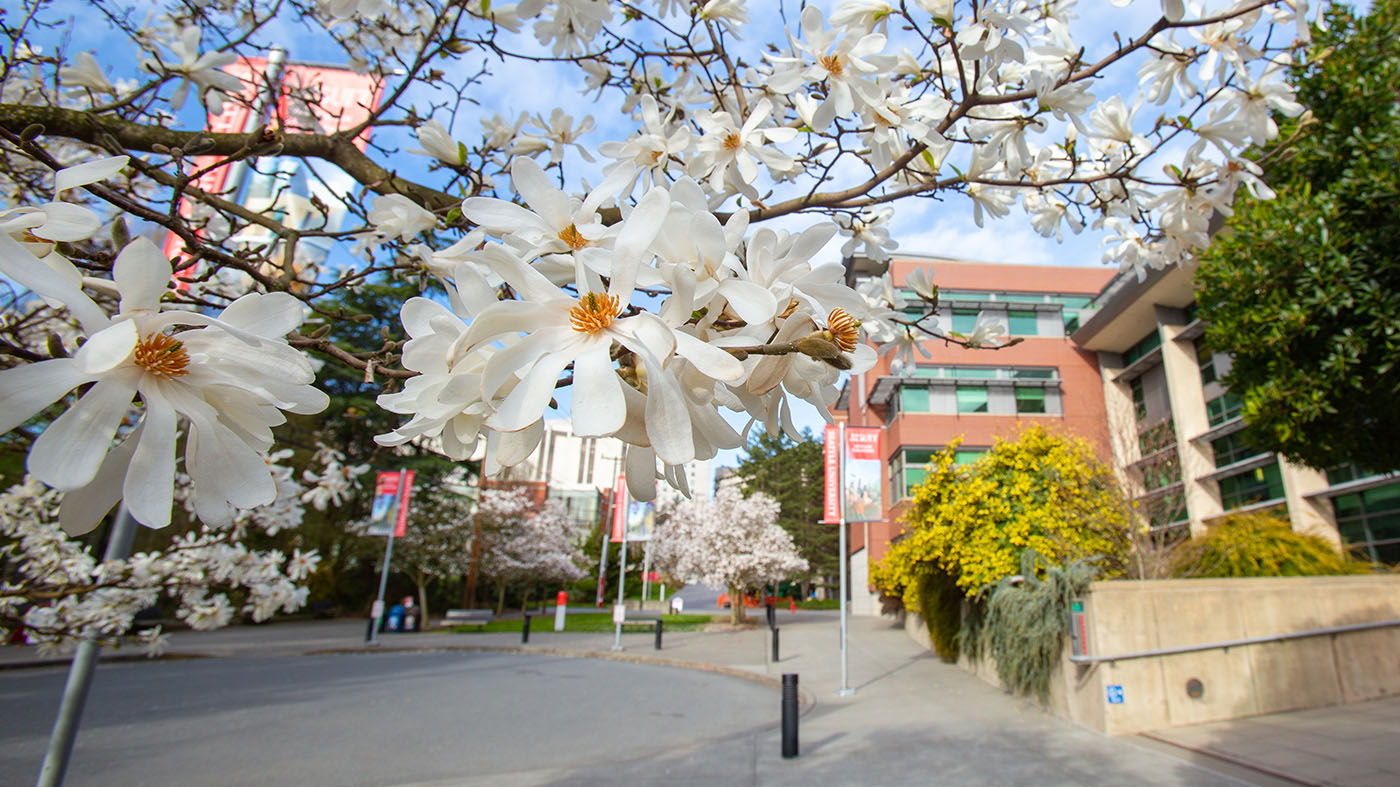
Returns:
<point x="1188" y="405"/>
<point x="1314" y="516"/>
<point x="1122" y="424"/>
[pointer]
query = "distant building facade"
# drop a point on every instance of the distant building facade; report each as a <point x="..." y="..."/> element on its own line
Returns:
<point x="974" y="396"/>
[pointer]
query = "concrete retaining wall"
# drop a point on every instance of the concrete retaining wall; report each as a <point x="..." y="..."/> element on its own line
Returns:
<point x="1126" y="616"/>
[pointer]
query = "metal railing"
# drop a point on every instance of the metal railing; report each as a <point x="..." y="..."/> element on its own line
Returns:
<point x="1235" y="643"/>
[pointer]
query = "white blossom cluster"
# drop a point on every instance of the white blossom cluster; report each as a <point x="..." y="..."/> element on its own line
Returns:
<point x="658" y="293"/>
<point x="732" y="542"/>
<point x="57" y="593"/>
<point x="541" y="544"/>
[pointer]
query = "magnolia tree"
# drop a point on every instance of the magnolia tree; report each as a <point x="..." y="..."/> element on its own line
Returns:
<point x="732" y="542"/>
<point x="437" y="543"/>
<point x="650" y="276"/>
<point x="54" y="592"/>
<point x="541" y="547"/>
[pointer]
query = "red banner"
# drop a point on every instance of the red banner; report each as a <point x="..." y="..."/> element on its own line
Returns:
<point x="390" y="509"/>
<point x="619" y="509"/>
<point x="862" y="474"/>
<point x="831" y="497"/>
<point x="310" y="99"/>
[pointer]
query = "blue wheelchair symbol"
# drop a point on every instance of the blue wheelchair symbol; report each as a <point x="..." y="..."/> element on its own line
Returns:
<point x="1115" y="695"/>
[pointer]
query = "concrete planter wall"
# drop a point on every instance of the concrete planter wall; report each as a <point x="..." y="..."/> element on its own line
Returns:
<point x="1128" y="616"/>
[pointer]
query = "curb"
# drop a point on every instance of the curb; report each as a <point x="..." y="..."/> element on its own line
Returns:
<point x="113" y="658"/>
<point x="806" y="698"/>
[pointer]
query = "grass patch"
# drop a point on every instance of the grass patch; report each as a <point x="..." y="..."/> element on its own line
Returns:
<point x="819" y="603"/>
<point x="587" y="622"/>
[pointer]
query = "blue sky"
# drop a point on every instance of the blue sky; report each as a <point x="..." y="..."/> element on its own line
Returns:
<point x="943" y="228"/>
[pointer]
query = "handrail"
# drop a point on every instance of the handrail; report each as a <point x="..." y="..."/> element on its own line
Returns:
<point x="1234" y="643"/>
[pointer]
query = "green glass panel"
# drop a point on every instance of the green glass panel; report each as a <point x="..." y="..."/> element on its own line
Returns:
<point x="1347" y="506"/>
<point x="917" y="456"/>
<point x="968" y="455"/>
<point x="964" y="320"/>
<point x="1071" y="321"/>
<point x="1021" y="298"/>
<point x="974" y="372"/>
<point x="913" y="399"/>
<point x="1149" y="343"/>
<point x="1030" y="400"/>
<point x="1033" y="374"/>
<point x="1022" y="323"/>
<point x="964" y="295"/>
<point x="1072" y="301"/>
<point x="1382" y="498"/>
<point x="913" y="476"/>
<point x="972" y="400"/>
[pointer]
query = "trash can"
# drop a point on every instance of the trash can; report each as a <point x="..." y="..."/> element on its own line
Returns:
<point x="395" y="622"/>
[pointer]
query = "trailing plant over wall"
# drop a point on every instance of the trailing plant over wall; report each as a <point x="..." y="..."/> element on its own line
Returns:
<point x="1260" y="544"/>
<point x="941" y="603"/>
<point x="1040" y="491"/>
<point x="1022" y="621"/>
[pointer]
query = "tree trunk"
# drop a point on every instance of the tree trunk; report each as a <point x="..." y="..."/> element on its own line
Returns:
<point x="500" y="598"/>
<point x="469" y="589"/>
<point x="736" y="605"/>
<point x="423" y="605"/>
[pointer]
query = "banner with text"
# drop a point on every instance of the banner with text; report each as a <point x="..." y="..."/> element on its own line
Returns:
<point x="862" y="473"/>
<point x="389" y="514"/>
<point x="831" y="473"/>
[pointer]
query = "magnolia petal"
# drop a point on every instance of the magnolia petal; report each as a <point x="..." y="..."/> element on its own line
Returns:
<point x="497" y="215"/>
<point x="269" y="315"/>
<point x="68" y="454"/>
<point x="141" y="272"/>
<point x="83" y="508"/>
<point x="88" y="172"/>
<point x="637" y="233"/>
<point x="17" y="263"/>
<point x="108" y="348"/>
<point x="512" y="448"/>
<point x="150" y="478"/>
<point x="709" y="359"/>
<point x="668" y="418"/>
<point x="65" y="221"/>
<point x="753" y="303"/>
<point x="534" y="186"/>
<point x="526" y="404"/>
<point x="641" y="473"/>
<point x="27" y="389"/>
<point x="598" y="408"/>
<point x="530" y="283"/>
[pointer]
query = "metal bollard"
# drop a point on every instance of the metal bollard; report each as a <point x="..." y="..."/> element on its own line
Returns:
<point x="658" y="635"/>
<point x="525" y="630"/>
<point x="775" y="644"/>
<point x="789" y="715"/>
<point x="772" y="616"/>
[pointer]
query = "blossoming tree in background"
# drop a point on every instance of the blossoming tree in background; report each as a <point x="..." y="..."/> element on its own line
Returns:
<point x="541" y="546"/>
<point x="664" y="269"/>
<point x="733" y="542"/>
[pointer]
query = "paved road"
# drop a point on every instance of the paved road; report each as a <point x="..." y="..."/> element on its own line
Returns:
<point x="380" y="718"/>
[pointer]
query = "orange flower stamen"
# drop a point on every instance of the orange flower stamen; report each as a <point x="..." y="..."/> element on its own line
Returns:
<point x="593" y="312"/>
<point x="162" y="356"/>
<point x="571" y="237"/>
<point x="843" y="329"/>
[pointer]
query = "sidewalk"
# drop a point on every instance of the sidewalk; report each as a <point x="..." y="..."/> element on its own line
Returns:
<point x="911" y="719"/>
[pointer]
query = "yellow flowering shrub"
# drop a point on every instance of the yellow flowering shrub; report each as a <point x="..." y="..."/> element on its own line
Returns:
<point x="1042" y="490"/>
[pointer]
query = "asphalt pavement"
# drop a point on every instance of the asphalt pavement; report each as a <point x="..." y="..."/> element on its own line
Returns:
<point x="323" y="702"/>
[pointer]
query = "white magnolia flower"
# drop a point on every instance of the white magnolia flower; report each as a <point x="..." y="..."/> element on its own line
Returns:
<point x="85" y="72"/>
<point x="394" y="215"/>
<point x="227" y="376"/>
<point x="438" y="143"/>
<point x="725" y="144"/>
<point x="991" y="330"/>
<point x="199" y="69"/>
<point x="871" y="230"/>
<point x="846" y="65"/>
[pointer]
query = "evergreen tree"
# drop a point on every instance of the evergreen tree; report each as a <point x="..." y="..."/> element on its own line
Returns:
<point x="790" y="472"/>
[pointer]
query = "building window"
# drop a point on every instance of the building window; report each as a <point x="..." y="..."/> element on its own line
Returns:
<point x="1369" y="522"/>
<point x="1223" y="408"/>
<point x="909" y="467"/>
<point x="1231" y="449"/>
<point x="1149" y="343"/>
<point x="1022" y="323"/>
<point x="1252" y="486"/>
<point x="1139" y="399"/>
<point x="964" y="321"/>
<point x="1030" y="400"/>
<point x="913" y="399"/>
<point x="972" y="399"/>
<point x="1206" y="360"/>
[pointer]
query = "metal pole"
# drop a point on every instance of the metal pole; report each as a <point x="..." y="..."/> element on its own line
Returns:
<point x="789" y="715"/>
<point x="845" y="689"/>
<point x="525" y="630"/>
<point x="377" y="613"/>
<point x="75" y="691"/>
<point x="621" y="578"/>
<point x="646" y="572"/>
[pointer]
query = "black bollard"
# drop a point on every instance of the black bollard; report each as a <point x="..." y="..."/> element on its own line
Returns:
<point x="658" y="634"/>
<point x="525" y="630"/>
<point x="772" y="617"/>
<point x="789" y="715"/>
<point x="775" y="644"/>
